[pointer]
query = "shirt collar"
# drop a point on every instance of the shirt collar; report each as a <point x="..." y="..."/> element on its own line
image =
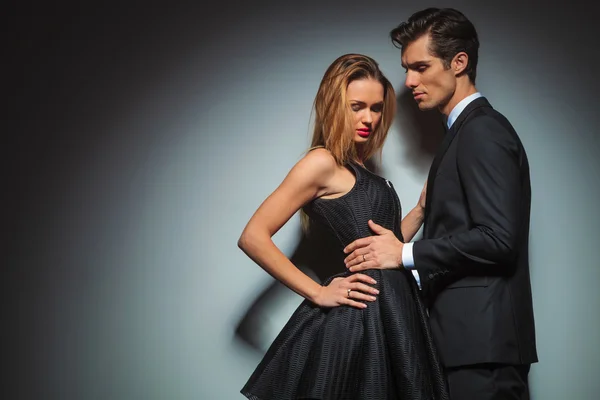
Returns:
<point x="460" y="107"/>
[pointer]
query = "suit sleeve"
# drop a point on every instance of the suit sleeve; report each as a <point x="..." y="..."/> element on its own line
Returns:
<point x="489" y="166"/>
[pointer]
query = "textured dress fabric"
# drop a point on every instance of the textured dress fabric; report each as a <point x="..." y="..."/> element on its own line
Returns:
<point x="384" y="351"/>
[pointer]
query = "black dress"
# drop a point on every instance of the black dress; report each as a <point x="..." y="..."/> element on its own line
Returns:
<point x="384" y="351"/>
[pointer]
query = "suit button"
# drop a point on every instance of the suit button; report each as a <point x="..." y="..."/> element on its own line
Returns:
<point x="430" y="276"/>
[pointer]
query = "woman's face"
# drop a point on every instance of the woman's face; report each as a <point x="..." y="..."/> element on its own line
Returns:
<point x="366" y="102"/>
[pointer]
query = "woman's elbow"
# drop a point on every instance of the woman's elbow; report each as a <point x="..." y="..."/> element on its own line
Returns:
<point x="244" y="240"/>
<point x="252" y="237"/>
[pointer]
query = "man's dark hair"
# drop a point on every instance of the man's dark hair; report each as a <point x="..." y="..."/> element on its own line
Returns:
<point x="451" y="32"/>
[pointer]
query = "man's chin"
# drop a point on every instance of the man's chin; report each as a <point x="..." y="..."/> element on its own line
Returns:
<point x="423" y="106"/>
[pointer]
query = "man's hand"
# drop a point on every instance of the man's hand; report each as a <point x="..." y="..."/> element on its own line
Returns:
<point x="383" y="251"/>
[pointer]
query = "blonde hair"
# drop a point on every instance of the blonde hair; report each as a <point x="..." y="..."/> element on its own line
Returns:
<point x="333" y="116"/>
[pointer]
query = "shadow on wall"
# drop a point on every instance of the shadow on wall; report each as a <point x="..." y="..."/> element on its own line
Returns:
<point x="319" y="254"/>
<point x="421" y="131"/>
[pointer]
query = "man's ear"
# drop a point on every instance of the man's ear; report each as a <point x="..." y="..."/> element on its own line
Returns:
<point x="459" y="63"/>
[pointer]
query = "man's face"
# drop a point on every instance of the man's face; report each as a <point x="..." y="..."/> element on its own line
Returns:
<point x="431" y="83"/>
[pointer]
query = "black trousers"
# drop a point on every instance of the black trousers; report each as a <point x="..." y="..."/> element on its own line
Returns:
<point x="488" y="382"/>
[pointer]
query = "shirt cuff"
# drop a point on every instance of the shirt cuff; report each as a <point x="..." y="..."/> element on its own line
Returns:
<point x="409" y="262"/>
<point x="407" y="256"/>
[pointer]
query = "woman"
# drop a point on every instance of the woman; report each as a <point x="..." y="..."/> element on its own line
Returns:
<point x="359" y="335"/>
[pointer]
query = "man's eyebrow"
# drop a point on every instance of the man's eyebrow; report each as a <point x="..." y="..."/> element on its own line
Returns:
<point x="416" y="64"/>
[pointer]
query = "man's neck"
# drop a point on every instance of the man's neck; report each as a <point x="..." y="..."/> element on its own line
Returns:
<point x="462" y="91"/>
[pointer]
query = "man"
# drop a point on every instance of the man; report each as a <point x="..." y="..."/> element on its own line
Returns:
<point x="472" y="262"/>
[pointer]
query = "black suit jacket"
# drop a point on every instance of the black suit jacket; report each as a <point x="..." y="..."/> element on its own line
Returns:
<point x="473" y="258"/>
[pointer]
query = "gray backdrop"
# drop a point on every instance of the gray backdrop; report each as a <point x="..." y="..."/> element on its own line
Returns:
<point x="142" y="140"/>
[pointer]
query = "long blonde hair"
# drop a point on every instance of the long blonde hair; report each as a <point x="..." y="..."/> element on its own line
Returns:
<point x="333" y="115"/>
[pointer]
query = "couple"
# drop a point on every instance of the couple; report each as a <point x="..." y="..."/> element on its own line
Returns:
<point x="448" y="316"/>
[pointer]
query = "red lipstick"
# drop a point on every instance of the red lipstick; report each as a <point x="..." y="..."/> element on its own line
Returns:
<point x="364" y="132"/>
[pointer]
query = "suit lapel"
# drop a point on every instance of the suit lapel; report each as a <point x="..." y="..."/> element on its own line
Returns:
<point x="448" y="137"/>
<point x="450" y="134"/>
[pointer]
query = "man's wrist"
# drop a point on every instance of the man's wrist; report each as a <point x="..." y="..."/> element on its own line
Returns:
<point x="399" y="258"/>
<point x="407" y="256"/>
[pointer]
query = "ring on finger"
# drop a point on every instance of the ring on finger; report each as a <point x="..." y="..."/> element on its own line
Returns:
<point x="364" y="259"/>
<point x="348" y="295"/>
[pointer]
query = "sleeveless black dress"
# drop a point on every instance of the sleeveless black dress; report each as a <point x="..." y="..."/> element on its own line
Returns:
<point x="384" y="351"/>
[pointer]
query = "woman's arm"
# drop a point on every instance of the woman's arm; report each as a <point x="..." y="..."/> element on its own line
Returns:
<point x="412" y="222"/>
<point x="310" y="178"/>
